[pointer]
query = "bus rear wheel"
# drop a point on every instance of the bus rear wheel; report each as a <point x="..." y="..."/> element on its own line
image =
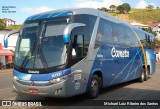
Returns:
<point x="94" y="87"/>
<point x="146" y="74"/>
<point x="141" y="79"/>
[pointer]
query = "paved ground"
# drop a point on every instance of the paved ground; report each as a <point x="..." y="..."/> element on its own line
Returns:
<point x="148" y="90"/>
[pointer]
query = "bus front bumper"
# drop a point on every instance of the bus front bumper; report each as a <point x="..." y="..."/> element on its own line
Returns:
<point x="52" y="90"/>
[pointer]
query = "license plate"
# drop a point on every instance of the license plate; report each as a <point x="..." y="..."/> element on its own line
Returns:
<point x="33" y="91"/>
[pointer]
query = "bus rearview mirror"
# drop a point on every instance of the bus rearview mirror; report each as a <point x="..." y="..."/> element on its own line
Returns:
<point x="7" y="36"/>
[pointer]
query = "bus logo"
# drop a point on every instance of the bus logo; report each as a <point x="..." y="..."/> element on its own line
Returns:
<point x="119" y="53"/>
<point x="29" y="71"/>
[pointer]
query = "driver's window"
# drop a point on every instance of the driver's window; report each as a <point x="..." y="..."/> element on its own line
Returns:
<point x="78" y="46"/>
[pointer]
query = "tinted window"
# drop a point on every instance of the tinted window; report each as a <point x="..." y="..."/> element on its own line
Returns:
<point x="104" y="33"/>
<point x="115" y="33"/>
<point x="129" y="37"/>
<point x="142" y="38"/>
<point x="121" y="35"/>
<point x="118" y="34"/>
<point x="152" y="41"/>
<point x="147" y="41"/>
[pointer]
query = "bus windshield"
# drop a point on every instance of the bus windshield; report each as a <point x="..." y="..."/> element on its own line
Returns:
<point x="41" y="45"/>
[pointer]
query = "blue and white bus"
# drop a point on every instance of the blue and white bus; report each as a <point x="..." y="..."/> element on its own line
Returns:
<point x="68" y="52"/>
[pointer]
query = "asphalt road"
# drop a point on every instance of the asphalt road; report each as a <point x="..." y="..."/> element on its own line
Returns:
<point x="133" y="90"/>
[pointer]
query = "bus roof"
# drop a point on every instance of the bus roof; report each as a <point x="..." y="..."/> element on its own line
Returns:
<point x="76" y="11"/>
<point x="63" y="12"/>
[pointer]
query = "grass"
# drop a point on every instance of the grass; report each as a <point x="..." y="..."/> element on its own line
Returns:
<point x="139" y="15"/>
<point x="145" y="16"/>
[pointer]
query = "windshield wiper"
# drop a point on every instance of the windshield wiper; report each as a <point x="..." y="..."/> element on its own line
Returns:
<point x="43" y="59"/>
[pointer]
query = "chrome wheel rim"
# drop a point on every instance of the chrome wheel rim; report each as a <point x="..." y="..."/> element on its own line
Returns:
<point x="94" y="87"/>
<point x="142" y="76"/>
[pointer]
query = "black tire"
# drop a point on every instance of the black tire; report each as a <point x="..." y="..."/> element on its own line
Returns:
<point x="141" y="79"/>
<point x="146" y="74"/>
<point x="94" y="87"/>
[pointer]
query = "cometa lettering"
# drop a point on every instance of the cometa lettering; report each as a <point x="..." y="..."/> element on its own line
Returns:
<point x="119" y="53"/>
<point x="29" y="71"/>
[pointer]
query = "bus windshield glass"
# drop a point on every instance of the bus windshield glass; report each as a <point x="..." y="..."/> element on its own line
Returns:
<point x="41" y="45"/>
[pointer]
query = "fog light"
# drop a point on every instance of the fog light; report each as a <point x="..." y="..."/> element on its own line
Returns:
<point x="58" y="91"/>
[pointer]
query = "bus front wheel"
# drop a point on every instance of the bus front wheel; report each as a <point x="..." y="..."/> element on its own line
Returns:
<point x="94" y="87"/>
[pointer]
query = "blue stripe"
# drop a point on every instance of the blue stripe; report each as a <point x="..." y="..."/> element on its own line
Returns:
<point x="41" y="77"/>
<point x="131" y="72"/>
<point x="124" y="68"/>
<point x="132" y="64"/>
<point x="137" y="67"/>
<point x="50" y="15"/>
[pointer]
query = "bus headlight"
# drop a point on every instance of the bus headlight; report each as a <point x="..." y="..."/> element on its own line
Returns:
<point x="58" y="80"/>
<point x="15" y="78"/>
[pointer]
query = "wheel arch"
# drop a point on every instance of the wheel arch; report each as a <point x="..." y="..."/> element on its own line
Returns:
<point x="97" y="72"/>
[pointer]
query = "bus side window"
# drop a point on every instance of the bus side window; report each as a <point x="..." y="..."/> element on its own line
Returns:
<point x="104" y="33"/>
<point x="129" y="37"/>
<point x="99" y="36"/>
<point x="121" y="35"/>
<point x="99" y="40"/>
<point x="115" y="33"/>
<point x="143" y="39"/>
<point x="148" y="41"/>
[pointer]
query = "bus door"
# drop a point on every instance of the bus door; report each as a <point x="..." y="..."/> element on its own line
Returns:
<point x="77" y="64"/>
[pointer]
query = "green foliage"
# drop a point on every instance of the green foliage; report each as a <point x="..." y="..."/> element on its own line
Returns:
<point x="150" y="31"/>
<point x="157" y="42"/>
<point x="112" y="7"/>
<point x="120" y="8"/>
<point x="103" y="9"/>
<point x="2" y="24"/>
<point x="14" y="27"/>
<point x="149" y="7"/>
<point x="126" y="7"/>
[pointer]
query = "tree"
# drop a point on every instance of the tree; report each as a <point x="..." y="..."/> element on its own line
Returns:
<point x="120" y="8"/>
<point x="126" y="7"/>
<point x="149" y="7"/>
<point x="112" y="7"/>
<point x="2" y="24"/>
<point x="103" y="9"/>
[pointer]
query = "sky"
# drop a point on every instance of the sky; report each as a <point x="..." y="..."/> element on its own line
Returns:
<point x="21" y="9"/>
